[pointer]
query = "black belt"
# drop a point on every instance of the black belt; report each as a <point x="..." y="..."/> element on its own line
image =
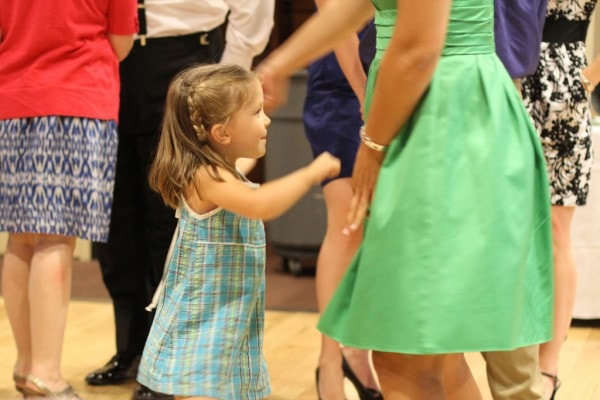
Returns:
<point x="195" y="39"/>
<point x="562" y="30"/>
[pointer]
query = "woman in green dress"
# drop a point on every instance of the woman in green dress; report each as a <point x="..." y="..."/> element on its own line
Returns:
<point x="451" y="184"/>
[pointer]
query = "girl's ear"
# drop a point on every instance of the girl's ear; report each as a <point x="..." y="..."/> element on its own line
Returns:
<point x="219" y="134"/>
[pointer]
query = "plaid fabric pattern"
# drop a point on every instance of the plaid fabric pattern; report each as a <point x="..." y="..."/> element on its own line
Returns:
<point x="207" y="335"/>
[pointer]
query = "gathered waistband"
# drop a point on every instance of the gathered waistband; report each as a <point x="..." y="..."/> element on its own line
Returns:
<point x="470" y="30"/>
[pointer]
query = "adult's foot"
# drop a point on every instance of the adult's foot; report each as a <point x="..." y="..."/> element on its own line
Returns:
<point x="120" y="369"/>
<point x="145" y="393"/>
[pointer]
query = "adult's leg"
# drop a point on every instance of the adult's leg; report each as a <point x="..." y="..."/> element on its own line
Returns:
<point x="336" y="253"/>
<point x="426" y="377"/>
<point x="160" y="221"/>
<point x="459" y="383"/>
<point x="123" y="257"/>
<point x="514" y="374"/>
<point x="49" y="291"/>
<point x="565" y="285"/>
<point x="15" y="290"/>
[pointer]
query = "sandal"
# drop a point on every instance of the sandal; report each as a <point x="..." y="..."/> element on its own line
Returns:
<point x="364" y="393"/>
<point x="555" y="382"/>
<point x="41" y="390"/>
<point x="20" y="382"/>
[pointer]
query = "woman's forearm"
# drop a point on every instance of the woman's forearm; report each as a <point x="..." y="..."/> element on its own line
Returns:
<point x="334" y="22"/>
<point x="407" y="66"/>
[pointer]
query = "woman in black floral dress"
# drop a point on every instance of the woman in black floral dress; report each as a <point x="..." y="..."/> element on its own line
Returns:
<point x="557" y="97"/>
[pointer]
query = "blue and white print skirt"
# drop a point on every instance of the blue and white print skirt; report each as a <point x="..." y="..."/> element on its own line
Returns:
<point x="57" y="176"/>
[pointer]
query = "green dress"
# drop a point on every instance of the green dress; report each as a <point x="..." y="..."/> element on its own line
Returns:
<point x="457" y="252"/>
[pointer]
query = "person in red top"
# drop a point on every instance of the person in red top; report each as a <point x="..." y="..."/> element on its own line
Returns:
<point x="59" y="102"/>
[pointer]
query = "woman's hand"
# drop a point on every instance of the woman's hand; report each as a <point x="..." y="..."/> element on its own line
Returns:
<point x="275" y="87"/>
<point x="364" y="177"/>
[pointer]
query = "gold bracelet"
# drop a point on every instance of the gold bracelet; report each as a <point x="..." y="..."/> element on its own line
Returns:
<point x="369" y="142"/>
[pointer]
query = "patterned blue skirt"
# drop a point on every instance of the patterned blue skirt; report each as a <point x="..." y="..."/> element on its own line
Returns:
<point x="57" y="176"/>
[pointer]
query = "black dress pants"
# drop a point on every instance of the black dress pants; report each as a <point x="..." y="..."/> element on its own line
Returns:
<point x="141" y="226"/>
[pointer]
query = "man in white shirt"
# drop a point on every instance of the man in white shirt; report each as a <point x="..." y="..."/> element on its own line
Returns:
<point x="173" y="35"/>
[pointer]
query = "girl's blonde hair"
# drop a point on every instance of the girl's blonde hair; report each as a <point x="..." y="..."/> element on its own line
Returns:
<point x="198" y="98"/>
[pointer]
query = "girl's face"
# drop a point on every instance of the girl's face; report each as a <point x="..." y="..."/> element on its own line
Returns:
<point x="248" y="128"/>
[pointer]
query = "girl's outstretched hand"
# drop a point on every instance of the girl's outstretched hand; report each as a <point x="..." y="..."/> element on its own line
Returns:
<point x="325" y="166"/>
<point x="275" y="87"/>
<point x="364" y="177"/>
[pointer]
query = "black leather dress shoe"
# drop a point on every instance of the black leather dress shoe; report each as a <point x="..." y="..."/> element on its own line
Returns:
<point x="145" y="393"/>
<point x="118" y="370"/>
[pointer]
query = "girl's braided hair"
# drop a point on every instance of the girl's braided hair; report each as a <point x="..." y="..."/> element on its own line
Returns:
<point x="198" y="98"/>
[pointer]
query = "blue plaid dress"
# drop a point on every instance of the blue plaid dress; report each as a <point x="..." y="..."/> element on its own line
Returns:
<point x="207" y="334"/>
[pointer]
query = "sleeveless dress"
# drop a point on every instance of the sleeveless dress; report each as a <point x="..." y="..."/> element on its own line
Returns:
<point x="207" y="335"/>
<point x="457" y="252"/>
<point x="559" y="104"/>
<point x="332" y="116"/>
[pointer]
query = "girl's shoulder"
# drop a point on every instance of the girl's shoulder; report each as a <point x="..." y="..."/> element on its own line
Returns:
<point x="211" y="188"/>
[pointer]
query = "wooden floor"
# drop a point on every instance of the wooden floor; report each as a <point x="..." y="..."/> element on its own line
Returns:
<point x="291" y="347"/>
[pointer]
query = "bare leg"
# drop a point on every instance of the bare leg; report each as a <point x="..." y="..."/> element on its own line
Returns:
<point x="336" y="253"/>
<point x="424" y="377"/>
<point x="565" y="284"/>
<point x="15" y="289"/>
<point x="48" y="260"/>
<point x="458" y="379"/>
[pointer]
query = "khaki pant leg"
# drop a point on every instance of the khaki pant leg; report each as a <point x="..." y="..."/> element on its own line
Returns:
<point x="515" y="374"/>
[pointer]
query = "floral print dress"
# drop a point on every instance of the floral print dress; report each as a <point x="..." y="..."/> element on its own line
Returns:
<point x="558" y="103"/>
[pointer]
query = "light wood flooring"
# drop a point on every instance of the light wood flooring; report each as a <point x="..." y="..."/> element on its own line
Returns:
<point x="291" y="347"/>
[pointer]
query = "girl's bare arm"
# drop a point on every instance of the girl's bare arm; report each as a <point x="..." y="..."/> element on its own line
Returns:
<point x="271" y="199"/>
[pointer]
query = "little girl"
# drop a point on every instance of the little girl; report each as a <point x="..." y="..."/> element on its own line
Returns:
<point x="206" y="340"/>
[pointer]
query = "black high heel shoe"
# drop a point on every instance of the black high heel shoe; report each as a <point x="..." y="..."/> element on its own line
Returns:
<point x="555" y="382"/>
<point x="364" y="393"/>
<point x="317" y="383"/>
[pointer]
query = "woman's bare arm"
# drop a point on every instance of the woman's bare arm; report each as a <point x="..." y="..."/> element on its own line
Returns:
<point x="121" y="44"/>
<point x="350" y="63"/>
<point x="266" y="202"/>
<point x="335" y="21"/>
<point x="405" y="72"/>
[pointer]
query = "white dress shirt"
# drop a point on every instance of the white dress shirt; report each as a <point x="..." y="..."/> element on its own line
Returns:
<point x="248" y="30"/>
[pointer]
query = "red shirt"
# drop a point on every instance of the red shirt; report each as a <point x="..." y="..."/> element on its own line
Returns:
<point x="55" y="57"/>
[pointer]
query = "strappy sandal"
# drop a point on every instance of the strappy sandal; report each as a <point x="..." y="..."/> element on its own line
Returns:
<point x="41" y="390"/>
<point x="364" y="393"/>
<point x="20" y="382"/>
<point x="555" y="382"/>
